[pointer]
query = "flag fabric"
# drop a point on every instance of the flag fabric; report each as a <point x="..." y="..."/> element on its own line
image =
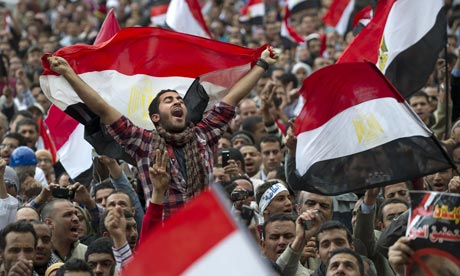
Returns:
<point x="75" y="154"/>
<point x="296" y="6"/>
<point x="158" y="12"/>
<point x="287" y="31"/>
<point x="401" y="32"/>
<point x="357" y="132"/>
<point x="362" y="18"/>
<point x="148" y="60"/>
<point x="48" y="142"/>
<point x="185" y="16"/>
<point x="253" y="12"/>
<point x="339" y="14"/>
<point x="199" y="240"/>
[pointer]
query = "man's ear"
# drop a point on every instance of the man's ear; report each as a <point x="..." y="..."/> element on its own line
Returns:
<point x="106" y="234"/>
<point x="155" y="117"/>
<point x="50" y="223"/>
<point x="352" y="246"/>
<point x="262" y="243"/>
<point x="297" y="208"/>
<point x="317" y="253"/>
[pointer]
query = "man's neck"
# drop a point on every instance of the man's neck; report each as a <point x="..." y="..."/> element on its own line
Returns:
<point x="62" y="248"/>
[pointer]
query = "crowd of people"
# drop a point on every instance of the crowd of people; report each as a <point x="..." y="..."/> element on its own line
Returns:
<point x="52" y="225"/>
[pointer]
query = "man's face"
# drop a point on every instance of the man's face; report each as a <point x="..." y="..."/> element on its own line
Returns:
<point x="224" y="143"/>
<point x="101" y="196"/>
<point x="7" y="147"/>
<point x="392" y="211"/>
<point x="45" y="163"/>
<point x="330" y="240"/>
<point x="44" y="247"/>
<point x="278" y="235"/>
<point x="433" y="94"/>
<point x="247" y="108"/>
<point x="102" y="264"/>
<point x="343" y="264"/>
<point x="172" y="112"/>
<point x="314" y="46"/>
<point x="311" y="201"/>
<point x="64" y="222"/>
<point x="119" y="199"/>
<point x="238" y="142"/>
<point x="281" y="203"/>
<point x="30" y="133"/>
<point x="131" y="232"/>
<point x="398" y="190"/>
<point x="439" y="181"/>
<point x="252" y="159"/>
<point x="421" y="107"/>
<point x="271" y="156"/>
<point x="44" y="102"/>
<point x="18" y="246"/>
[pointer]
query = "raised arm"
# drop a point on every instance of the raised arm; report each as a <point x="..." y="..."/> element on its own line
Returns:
<point x="87" y="94"/>
<point x="242" y="88"/>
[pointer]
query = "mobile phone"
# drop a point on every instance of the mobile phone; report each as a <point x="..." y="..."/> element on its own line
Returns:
<point x="225" y="157"/>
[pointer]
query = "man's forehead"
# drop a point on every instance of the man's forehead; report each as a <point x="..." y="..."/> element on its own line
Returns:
<point x="316" y="197"/>
<point x="332" y="234"/>
<point x="118" y="197"/>
<point x="100" y="257"/>
<point x="169" y="94"/>
<point x="280" y="227"/>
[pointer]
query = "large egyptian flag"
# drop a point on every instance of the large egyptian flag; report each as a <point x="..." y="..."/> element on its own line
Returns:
<point x="339" y="14"/>
<point x="74" y="152"/>
<point x="185" y="16"/>
<point x="357" y="132"/>
<point x="200" y="239"/>
<point x="403" y="39"/>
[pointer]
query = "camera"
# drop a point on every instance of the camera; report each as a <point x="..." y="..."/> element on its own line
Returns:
<point x="62" y="193"/>
<point x="240" y="195"/>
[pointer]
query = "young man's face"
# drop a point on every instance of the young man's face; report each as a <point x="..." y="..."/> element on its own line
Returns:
<point x="390" y="212"/>
<point x="30" y="133"/>
<point x="343" y="264"/>
<point x="439" y="181"/>
<point x="330" y="240"/>
<point x="278" y="235"/>
<point x="281" y="203"/>
<point x="172" y="112"/>
<point x="7" y="147"/>
<point x="101" y="263"/>
<point x="18" y="246"/>
<point x="44" y="246"/>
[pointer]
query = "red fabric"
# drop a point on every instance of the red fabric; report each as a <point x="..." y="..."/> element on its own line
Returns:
<point x="152" y="219"/>
<point x="47" y="141"/>
<point x="335" y="12"/>
<point x="108" y="29"/>
<point x="352" y="87"/>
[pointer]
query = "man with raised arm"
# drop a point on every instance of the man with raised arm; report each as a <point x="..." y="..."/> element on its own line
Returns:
<point x="190" y="147"/>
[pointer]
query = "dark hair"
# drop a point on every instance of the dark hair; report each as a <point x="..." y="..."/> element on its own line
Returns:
<point x="17" y="136"/>
<point x="420" y="93"/>
<point x="286" y="78"/>
<point x="23" y="113"/>
<point x="388" y="201"/>
<point x="349" y="252"/>
<point x="243" y="134"/>
<point x="26" y="122"/>
<point x="276" y="217"/>
<point x="332" y="225"/>
<point x="250" y="123"/>
<point x="128" y="214"/>
<point x="270" y="138"/>
<point x="74" y="265"/>
<point x="100" y="245"/>
<point x="243" y="177"/>
<point x="104" y="184"/>
<point x="155" y="104"/>
<point x="17" y="227"/>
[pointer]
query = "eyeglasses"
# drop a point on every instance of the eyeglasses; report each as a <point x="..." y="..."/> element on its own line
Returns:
<point x="10" y="146"/>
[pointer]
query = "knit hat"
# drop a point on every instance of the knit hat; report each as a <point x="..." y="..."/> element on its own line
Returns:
<point x="11" y="178"/>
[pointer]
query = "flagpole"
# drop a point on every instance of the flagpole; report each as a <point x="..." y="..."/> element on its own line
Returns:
<point x="447" y="91"/>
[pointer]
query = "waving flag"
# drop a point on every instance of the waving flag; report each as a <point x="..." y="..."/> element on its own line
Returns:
<point x="399" y="34"/>
<point x="217" y="239"/>
<point x="357" y="132"/>
<point x="287" y="31"/>
<point x="253" y="12"/>
<point x="158" y="12"/>
<point x="185" y="16"/>
<point x="338" y="15"/>
<point x="296" y="6"/>
<point x="74" y="152"/>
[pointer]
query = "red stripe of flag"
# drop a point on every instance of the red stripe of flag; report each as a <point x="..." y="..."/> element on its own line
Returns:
<point x="184" y="239"/>
<point x="335" y="12"/>
<point x="195" y="9"/>
<point x="352" y="89"/>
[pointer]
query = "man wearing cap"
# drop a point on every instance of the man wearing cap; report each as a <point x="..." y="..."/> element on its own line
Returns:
<point x="24" y="162"/>
<point x="273" y="197"/>
<point x="8" y="203"/>
<point x="190" y="147"/>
